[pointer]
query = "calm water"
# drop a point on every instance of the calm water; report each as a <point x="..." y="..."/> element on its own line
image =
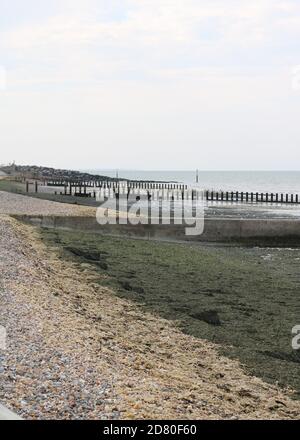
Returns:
<point x="261" y="181"/>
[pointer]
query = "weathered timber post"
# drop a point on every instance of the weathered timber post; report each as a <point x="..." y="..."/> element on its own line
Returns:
<point x="160" y="213"/>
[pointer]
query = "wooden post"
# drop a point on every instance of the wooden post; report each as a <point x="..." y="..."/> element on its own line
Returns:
<point x="160" y="213"/>
<point x="27" y="186"/>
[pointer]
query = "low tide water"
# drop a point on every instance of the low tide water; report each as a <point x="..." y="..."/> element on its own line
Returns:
<point x="256" y="181"/>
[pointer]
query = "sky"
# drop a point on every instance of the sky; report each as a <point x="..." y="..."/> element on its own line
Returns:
<point x="150" y="84"/>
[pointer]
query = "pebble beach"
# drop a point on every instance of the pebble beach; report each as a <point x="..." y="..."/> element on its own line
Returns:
<point x="77" y="351"/>
<point x="16" y="204"/>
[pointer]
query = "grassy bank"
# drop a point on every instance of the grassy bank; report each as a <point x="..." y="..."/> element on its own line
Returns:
<point x="245" y="299"/>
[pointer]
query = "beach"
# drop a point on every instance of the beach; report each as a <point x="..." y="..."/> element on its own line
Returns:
<point x="81" y="347"/>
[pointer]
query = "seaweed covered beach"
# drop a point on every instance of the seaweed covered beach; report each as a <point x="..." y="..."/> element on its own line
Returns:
<point x="87" y="342"/>
<point x="244" y="299"/>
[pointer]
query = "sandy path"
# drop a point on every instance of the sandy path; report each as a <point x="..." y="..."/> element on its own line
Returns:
<point x="75" y="350"/>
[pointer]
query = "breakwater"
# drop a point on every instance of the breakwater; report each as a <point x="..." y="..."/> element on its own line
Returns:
<point x="258" y="231"/>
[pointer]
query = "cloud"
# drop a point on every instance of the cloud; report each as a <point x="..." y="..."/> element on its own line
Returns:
<point x="97" y="39"/>
<point x="134" y="76"/>
<point x="90" y="41"/>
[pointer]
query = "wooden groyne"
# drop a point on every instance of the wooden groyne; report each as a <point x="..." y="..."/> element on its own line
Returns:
<point x="107" y="184"/>
<point x="251" y="197"/>
<point x="90" y="189"/>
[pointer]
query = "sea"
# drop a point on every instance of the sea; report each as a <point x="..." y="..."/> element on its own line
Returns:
<point x="251" y="181"/>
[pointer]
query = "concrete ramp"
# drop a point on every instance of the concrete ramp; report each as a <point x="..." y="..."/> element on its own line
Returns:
<point x="6" y="414"/>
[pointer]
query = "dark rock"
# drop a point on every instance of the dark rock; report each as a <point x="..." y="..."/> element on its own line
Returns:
<point x="125" y="285"/>
<point x="208" y="316"/>
<point x="103" y="265"/>
<point x="139" y="290"/>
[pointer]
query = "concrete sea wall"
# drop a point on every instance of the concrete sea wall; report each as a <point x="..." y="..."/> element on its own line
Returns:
<point x="285" y="231"/>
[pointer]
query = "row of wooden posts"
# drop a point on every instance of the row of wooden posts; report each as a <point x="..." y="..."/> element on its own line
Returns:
<point x="116" y="184"/>
<point x="80" y="189"/>
<point x="236" y="196"/>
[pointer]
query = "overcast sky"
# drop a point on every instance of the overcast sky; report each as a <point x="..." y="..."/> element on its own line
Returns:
<point x="150" y="84"/>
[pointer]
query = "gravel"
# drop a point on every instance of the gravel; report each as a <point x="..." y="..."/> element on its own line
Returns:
<point x="17" y="204"/>
<point x="77" y="351"/>
<point x="44" y="375"/>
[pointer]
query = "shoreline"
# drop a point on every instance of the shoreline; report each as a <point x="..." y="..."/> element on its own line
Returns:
<point x="73" y="340"/>
<point x="139" y="378"/>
